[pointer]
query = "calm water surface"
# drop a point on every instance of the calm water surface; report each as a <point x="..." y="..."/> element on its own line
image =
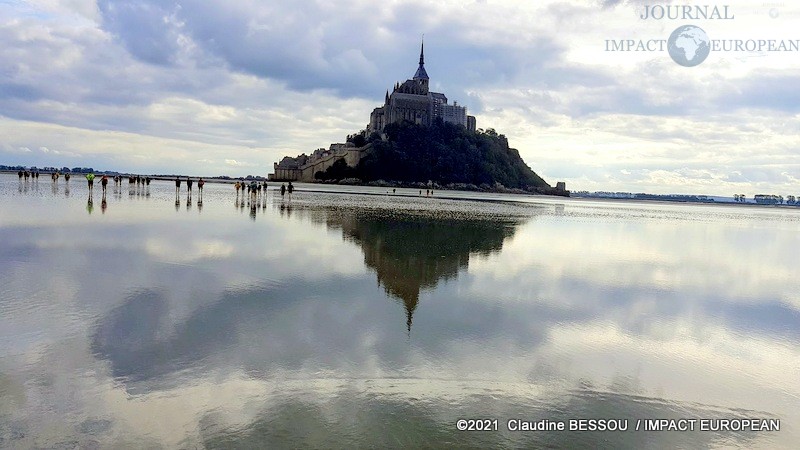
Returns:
<point x="372" y="320"/>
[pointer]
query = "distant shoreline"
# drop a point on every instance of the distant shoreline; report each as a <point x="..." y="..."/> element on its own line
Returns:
<point x="685" y="202"/>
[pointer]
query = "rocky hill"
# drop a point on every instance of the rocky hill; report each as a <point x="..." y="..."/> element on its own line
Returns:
<point x="443" y="153"/>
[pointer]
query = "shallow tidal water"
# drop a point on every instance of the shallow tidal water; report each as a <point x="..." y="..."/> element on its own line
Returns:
<point x="367" y="320"/>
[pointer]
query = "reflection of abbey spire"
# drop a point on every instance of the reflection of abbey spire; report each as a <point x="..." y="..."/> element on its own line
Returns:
<point x="413" y="101"/>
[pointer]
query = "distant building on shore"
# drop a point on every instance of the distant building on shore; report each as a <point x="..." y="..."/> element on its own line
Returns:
<point x="410" y="100"/>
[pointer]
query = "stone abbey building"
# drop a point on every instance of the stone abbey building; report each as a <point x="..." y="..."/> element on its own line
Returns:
<point x="411" y="100"/>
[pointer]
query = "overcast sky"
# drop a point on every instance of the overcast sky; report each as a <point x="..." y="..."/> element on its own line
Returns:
<point x="208" y="87"/>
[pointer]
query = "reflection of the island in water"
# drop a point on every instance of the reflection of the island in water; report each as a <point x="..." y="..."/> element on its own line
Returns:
<point x="410" y="253"/>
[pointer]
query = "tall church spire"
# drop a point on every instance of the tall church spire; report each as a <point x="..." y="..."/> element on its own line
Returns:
<point x="421" y="75"/>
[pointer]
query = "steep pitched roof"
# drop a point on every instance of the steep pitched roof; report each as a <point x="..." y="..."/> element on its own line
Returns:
<point x="421" y="74"/>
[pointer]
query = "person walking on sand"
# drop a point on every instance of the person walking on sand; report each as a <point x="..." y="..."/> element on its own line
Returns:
<point x="291" y="189"/>
<point x="200" y="184"/>
<point x="254" y="189"/>
<point x="66" y="177"/>
<point x="104" y="183"/>
<point x="177" y="186"/>
<point x="237" y="186"/>
<point x="283" y="190"/>
<point x="189" y="185"/>
<point x="20" y="175"/>
<point x="90" y="181"/>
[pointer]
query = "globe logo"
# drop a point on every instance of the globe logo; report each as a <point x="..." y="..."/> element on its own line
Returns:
<point x="689" y="45"/>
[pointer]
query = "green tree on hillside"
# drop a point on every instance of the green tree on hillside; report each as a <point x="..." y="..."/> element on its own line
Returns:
<point x="444" y="153"/>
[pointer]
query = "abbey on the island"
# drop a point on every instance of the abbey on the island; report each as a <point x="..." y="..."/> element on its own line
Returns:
<point x="410" y="100"/>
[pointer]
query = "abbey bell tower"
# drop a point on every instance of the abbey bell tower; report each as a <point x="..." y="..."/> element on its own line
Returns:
<point x="421" y="76"/>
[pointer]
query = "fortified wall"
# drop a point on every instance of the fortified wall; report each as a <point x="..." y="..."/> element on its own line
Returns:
<point x="303" y="167"/>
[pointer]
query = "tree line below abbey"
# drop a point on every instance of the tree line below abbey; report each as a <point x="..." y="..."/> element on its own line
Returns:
<point x="443" y="153"/>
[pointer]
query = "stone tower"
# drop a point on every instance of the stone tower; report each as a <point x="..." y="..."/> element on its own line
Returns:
<point x="421" y="76"/>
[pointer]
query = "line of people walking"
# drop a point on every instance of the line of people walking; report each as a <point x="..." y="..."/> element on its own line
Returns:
<point x="34" y="175"/>
<point x="28" y="174"/>
<point x="138" y="180"/>
<point x="254" y="189"/>
<point x="189" y="183"/>
<point x="189" y="188"/>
